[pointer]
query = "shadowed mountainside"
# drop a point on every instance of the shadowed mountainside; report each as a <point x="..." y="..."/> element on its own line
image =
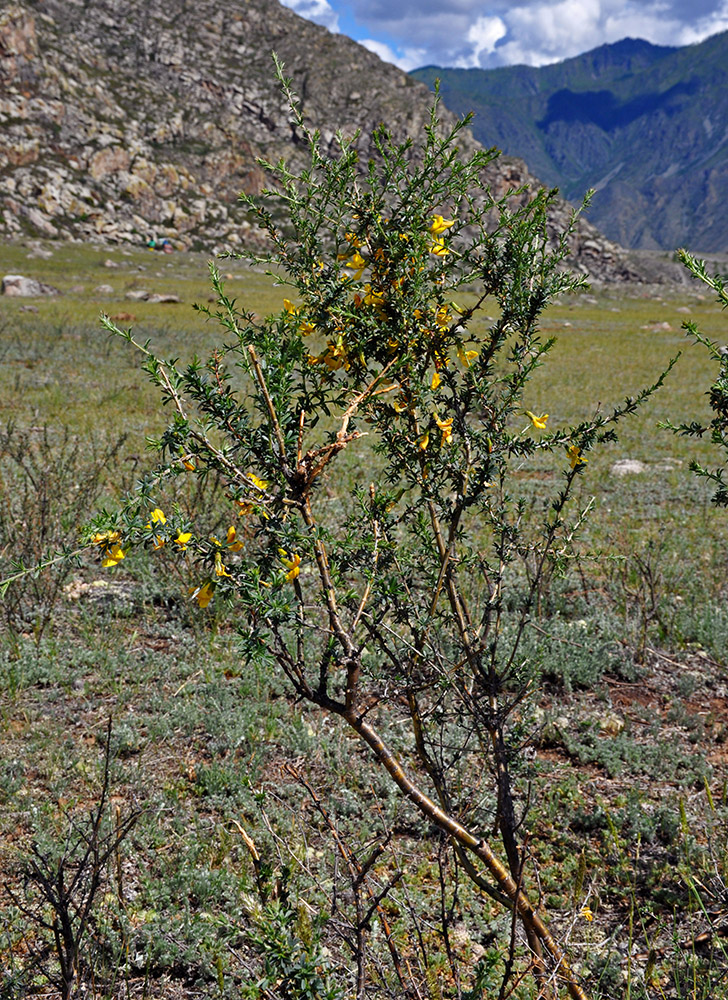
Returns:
<point x="645" y="125"/>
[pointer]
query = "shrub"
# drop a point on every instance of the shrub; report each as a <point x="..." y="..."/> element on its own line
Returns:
<point x="717" y="393"/>
<point x="371" y="437"/>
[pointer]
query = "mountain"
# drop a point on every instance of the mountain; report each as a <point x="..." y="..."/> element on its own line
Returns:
<point x="125" y="119"/>
<point x="644" y="125"/>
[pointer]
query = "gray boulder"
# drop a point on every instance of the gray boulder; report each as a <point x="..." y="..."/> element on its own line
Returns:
<point x="19" y="286"/>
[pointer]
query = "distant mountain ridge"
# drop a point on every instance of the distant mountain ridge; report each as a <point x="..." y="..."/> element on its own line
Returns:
<point x="645" y="125"/>
<point x="121" y="119"/>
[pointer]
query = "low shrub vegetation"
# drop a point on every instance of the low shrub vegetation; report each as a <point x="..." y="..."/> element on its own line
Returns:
<point x="411" y="694"/>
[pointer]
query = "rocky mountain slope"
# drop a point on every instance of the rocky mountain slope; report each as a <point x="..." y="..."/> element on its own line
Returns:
<point x="645" y="125"/>
<point x="122" y="120"/>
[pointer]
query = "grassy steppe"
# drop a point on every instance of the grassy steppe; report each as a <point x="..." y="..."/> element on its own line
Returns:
<point x="628" y="783"/>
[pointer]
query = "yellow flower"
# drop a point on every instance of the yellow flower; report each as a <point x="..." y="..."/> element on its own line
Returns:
<point x="538" y="422"/>
<point x="159" y="543"/>
<point x="436" y="379"/>
<point x="438" y="247"/>
<point x="446" y="428"/>
<point x="423" y="440"/>
<point x="353" y="240"/>
<point x="292" y="564"/>
<point x="441" y="360"/>
<point x="373" y="297"/>
<point x="575" y="456"/>
<point x="234" y="544"/>
<point x="442" y="317"/>
<point x="111" y="550"/>
<point x="290" y="308"/>
<point x="440" y="225"/>
<point x="157" y="517"/>
<point x="182" y="538"/>
<point x="219" y="567"/>
<point x="106" y="537"/>
<point x="586" y="914"/>
<point x="334" y="356"/>
<point x="113" y="555"/>
<point x="465" y="357"/>
<point x="261" y="484"/>
<point x="203" y="594"/>
<point x="357" y="265"/>
<point x="306" y="328"/>
<point x="186" y="460"/>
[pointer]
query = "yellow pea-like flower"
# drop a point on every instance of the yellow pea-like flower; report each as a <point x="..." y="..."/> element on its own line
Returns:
<point x="438" y="248"/>
<point x="575" y="456"/>
<point x="446" y="428"/>
<point x="260" y="484"/>
<point x="439" y="225"/>
<point x="233" y="542"/>
<point x="538" y="422"/>
<point x="442" y="317"/>
<point x="113" y="555"/>
<point x="203" y="593"/>
<point x="292" y="563"/>
<point x="156" y="517"/>
<point x="219" y="567"/>
<point x="465" y="357"/>
<point x="111" y="550"/>
<point x="356" y="264"/>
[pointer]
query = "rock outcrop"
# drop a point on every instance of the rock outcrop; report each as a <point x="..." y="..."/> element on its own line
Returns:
<point x="122" y="120"/>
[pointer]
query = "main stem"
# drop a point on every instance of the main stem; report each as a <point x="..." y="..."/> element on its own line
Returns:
<point x="532" y="921"/>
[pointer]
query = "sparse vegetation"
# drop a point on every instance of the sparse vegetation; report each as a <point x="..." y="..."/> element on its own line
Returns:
<point x="273" y="858"/>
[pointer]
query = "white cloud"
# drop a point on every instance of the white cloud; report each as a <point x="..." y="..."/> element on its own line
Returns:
<point x="318" y="11"/>
<point x="541" y="32"/>
<point x="487" y="33"/>
<point x="406" y="60"/>
<point x="483" y="35"/>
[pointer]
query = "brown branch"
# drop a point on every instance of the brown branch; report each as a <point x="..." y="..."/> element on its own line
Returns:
<point x="532" y="921"/>
<point x="322" y="562"/>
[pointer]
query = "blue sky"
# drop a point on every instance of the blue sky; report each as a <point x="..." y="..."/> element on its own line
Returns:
<point x="487" y="33"/>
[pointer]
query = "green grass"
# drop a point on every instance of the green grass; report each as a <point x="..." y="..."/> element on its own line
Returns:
<point x="630" y="715"/>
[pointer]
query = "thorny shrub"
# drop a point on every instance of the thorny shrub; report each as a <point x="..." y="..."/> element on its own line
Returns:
<point x="393" y="604"/>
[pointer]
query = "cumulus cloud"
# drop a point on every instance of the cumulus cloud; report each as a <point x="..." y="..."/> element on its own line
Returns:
<point x="484" y="34"/>
<point x="540" y="33"/>
<point x="406" y="59"/>
<point x="318" y="11"/>
<point x="490" y="33"/>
